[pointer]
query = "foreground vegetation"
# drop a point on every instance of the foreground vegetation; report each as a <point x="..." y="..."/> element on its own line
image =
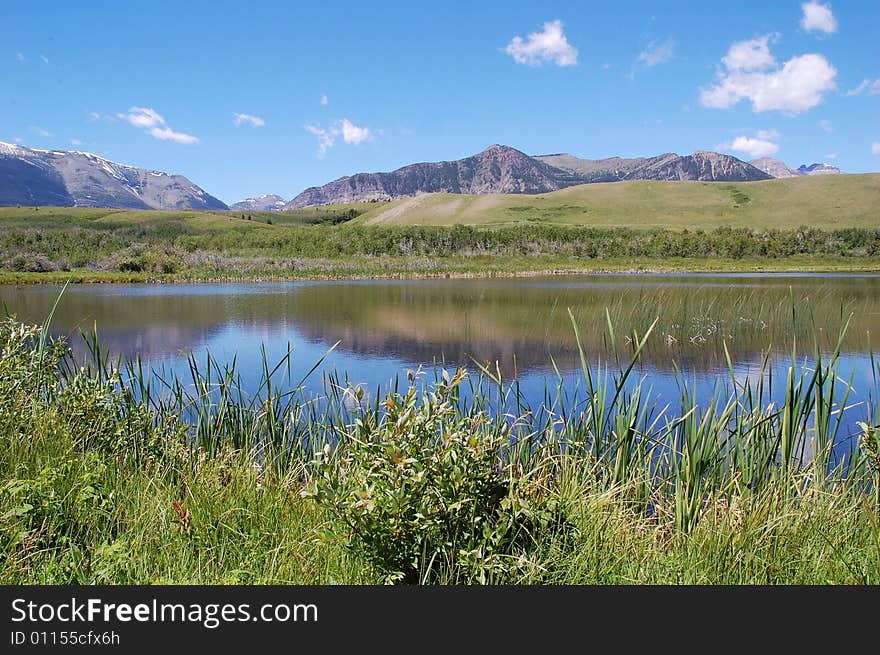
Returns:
<point x="116" y="475"/>
<point x="49" y="244"/>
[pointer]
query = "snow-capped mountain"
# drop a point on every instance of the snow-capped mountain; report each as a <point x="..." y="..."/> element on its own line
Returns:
<point x="81" y="179"/>
<point x="267" y="203"/>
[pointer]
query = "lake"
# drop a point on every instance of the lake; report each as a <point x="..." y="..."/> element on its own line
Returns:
<point x="519" y="327"/>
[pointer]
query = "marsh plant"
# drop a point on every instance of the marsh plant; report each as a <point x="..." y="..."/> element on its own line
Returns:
<point x="111" y="473"/>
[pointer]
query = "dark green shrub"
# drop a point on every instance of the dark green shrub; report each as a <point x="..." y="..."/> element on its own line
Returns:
<point x="426" y="494"/>
<point x="131" y="266"/>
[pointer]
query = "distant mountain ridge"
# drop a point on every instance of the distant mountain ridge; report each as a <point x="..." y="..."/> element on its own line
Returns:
<point x="779" y="169"/>
<point x="29" y="176"/>
<point x="701" y="165"/>
<point x="80" y="179"/>
<point x="502" y="169"/>
<point x="818" y="169"/>
<point x="269" y="202"/>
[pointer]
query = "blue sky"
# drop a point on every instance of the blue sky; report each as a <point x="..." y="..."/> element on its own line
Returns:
<point x="247" y="98"/>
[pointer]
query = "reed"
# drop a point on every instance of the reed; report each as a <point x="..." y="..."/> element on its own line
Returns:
<point x="113" y="472"/>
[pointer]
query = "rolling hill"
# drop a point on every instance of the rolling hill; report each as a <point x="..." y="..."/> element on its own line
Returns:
<point x="827" y="201"/>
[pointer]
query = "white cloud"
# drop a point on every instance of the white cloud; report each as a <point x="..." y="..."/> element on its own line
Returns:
<point x="831" y="156"/>
<point x="144" y="117"/>
<point x="875" y="148"/>
<point x="150" y="120"/>
<point x="750" y="55"/>
<point x="751" y="72"/>
<point x="353" y="134"/>
<point x="76" y="142"/>
<point x="760" y="145"/>
<point x="324" y="100"/>
<point x="39" y="130"/>
<point x="870" y="87"/>
<point x="657" y="52"/>
<point x="45" y="59"/>
<point x="350" y="133"/>
<point x="818" y="17"/>
<point x="167" y="134"/>
<point x="755" y="147"/>
<point x="826" y="126"/>
<point x="256" y="121"/>
<point x="94" y="116"/>
<point x="326" y="139"/>
<point x="17" y="139"/>
<point x="19" y="56"/>
<point x="547" y="46"/>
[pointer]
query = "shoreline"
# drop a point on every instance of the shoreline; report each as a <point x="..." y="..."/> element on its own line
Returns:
<point x="78" y="277"/>
<point x="804" y="265"/>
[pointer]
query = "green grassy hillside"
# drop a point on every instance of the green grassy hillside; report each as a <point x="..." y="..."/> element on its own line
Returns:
<point x="831" y="201"/>
<point x="191" y="221"/>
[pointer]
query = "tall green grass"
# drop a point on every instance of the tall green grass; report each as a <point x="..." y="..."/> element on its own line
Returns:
<point x="115" y="473"/>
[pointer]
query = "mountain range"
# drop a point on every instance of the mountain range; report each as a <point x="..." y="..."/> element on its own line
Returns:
<point x="71" y="178"/>
<point x="778" y="169"/>
<point x="80" y="179"/>
<point x="502" y="169"/>
<point x="701" y="165"/>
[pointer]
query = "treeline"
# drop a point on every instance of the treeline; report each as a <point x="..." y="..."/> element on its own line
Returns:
<point x="170" y="248"/>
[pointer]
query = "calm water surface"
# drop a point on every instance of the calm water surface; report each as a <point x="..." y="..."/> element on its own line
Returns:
<point x="385" y="328"/>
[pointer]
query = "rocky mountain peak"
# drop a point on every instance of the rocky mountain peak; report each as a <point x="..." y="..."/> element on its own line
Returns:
<point x="29" y="176"/>
<point x="498" y="150"/>
<point x="774" y="167"/>
<point x="497" y="169"/>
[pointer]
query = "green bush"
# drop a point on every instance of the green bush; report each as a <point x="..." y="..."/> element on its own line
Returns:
<point x="130" y="266"/>
<point x="427" y="494"/>
<point x="138" y="259"/>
